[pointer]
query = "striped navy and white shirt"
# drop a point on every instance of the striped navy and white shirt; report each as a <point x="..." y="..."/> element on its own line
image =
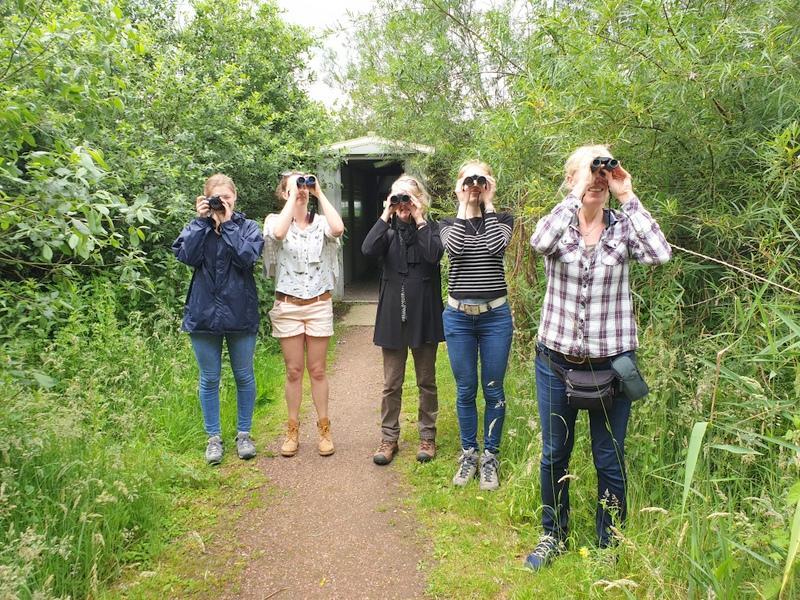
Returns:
<point x="475" y="248"/>
<point x="588" y="309"/>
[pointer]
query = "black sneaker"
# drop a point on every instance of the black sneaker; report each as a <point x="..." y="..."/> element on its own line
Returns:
<point x="545" y="552"/>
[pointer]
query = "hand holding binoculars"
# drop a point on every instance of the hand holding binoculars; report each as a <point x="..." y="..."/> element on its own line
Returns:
<point x="604" y="162"/>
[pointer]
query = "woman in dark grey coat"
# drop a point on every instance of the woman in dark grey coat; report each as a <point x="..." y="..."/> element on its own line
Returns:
<point x="409" y="311"/>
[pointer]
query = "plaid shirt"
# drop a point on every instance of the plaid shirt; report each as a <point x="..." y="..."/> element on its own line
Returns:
<point x="588" y="309"/>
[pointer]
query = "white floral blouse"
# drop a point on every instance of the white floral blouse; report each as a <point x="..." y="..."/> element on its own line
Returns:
<point x="305" y="263"/>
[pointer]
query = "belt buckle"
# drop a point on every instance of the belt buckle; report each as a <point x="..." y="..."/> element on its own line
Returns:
<point x="568" y="358"/>
<point x="472" y="309"/>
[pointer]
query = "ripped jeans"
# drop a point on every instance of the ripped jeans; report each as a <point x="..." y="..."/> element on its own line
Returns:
<point x="488" y="335"/>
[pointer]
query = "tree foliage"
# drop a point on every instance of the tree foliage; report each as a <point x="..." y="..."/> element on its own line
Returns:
<point x="700" y="101"/>
<point x="112" y="113"/>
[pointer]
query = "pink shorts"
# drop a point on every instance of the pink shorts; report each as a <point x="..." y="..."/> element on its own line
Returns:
<point x="290" y="319"/>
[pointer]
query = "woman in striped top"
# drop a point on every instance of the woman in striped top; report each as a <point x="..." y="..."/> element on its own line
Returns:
<point x="477" y="318"/>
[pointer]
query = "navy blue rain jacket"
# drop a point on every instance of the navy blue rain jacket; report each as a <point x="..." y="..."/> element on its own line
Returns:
<point x="222" y="296"/>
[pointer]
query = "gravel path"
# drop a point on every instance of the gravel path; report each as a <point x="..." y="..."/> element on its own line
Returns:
<point x="337" y="526"/>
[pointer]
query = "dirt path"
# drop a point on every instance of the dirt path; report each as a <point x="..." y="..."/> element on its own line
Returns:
<point x="336" y="528"/>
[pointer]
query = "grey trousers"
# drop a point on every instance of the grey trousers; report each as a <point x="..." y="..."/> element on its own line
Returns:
<point x="394" y="372"/>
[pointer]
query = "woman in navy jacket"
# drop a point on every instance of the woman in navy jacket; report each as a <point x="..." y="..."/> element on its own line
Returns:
<point x="222" y="245"/>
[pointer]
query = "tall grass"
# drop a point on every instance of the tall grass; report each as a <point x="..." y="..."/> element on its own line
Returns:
<point x="97" y="443"/>
<point x="735" y="538"/>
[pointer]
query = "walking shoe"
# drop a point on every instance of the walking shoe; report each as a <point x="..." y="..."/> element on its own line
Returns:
<point x="292" y="442"/>
<point x="467" y="466"/>
<point x="244" y="445"/>
<point x="488" y="471"/>
<point x="214" y="450"/>
<point x="385" y="452"/>
<point x="325" y="442"/>
<point x="427" y="450"/>
<point x="545" y="552"/>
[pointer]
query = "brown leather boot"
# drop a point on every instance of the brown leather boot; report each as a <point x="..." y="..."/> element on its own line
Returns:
<point x="325" y="442"/>
<point x="385" y="452"/>
<point x="292" y="442"/>
<point x="427" y="450"/>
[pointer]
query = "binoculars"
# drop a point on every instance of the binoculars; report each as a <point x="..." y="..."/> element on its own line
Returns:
<point x="604" y="162"/>
<point x="475" y="180"/>
<point x="307" y="180"/>
<point x="215" y="203"/>
<point x="395" y="199"/>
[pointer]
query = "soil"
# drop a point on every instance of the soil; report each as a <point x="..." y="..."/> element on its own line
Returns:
<point x="337" y="526"/>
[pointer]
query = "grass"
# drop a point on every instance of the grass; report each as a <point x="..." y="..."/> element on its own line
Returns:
<point x="101" y="460"/>
<point x="732" y="542"/>
<point x="105" y="492"/>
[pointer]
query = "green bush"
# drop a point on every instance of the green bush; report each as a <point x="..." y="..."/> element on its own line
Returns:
<point x="699" y="101"/>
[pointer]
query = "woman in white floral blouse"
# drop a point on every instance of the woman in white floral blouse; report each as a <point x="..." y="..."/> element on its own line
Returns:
<point x="301" y="253"/>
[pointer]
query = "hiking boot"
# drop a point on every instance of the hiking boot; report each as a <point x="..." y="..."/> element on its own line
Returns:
<point x="545" y="552"/>
<point x="325" y="442"/>
<point x="292" y="442"/>
<point x="489" y="480"/>
<point x="214" y="450"/>
<point x="467" y="466"/>
<point x="244" y="445"/>
<point x="427" y="450"/>
<point x="385" y="452"/>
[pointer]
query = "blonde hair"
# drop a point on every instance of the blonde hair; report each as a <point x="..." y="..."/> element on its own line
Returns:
<point x="280" y="189"/>
<point x="582" y="156"/>
<point x="462" y="170"/>
<point x="216" y="180"/>
<point x="417" y="188"/>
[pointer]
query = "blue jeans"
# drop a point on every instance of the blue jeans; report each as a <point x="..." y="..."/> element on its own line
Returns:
<point x="558" y="437"/>
<point x="487" y="334"/>
<point x="208" y="351"/>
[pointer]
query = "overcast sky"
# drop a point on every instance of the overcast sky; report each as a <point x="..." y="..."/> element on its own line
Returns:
<point x="319" y="15"/>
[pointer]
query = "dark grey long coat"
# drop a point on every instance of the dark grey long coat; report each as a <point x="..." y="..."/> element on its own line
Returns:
<point x="422" y="287"/>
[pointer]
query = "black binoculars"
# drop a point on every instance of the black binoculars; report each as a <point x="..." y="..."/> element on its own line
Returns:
<point x="307" y="180"/>
<point x="399" y="198"/>
<point x="215" y="203"/>
<point x="604" y="162"/>
<point x="475" y="180"/>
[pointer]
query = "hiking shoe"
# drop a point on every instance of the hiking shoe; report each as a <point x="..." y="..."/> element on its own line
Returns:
<point x="545" y="552"/>
<point x="244" y="445"/>
<point x="214" y="450"/>
<point x="467" y="466"/>
<point x="292" y="442"/>
<point x="427" y="450"/>
<point x="488" y="471"/>
<point x="385" y="452"/>
<point x="325" y="445"/>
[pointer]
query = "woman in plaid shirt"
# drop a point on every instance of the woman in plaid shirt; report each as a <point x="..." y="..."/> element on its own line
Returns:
<point x="587" y="321"/>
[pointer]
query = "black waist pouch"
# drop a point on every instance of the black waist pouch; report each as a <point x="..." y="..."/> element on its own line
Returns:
<point x="590" y="390"/>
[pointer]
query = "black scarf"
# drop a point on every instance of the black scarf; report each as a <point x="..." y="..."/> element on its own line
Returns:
<point x="409" y="251"/>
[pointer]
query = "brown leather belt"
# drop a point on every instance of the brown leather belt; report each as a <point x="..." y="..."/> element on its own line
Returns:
<point x="579" y="360"/>
<point x="302" y="301"/>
